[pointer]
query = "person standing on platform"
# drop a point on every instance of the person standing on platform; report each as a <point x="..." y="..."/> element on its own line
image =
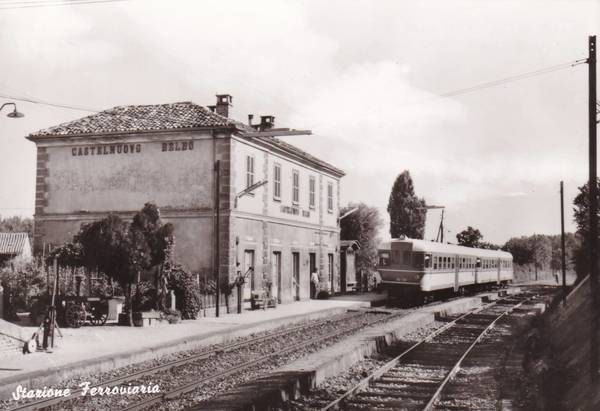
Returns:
<point x="314" y="283"/>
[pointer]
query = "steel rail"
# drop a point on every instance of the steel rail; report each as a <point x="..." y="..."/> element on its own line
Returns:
<point x="365" y="382"/>
<point x="169" y="395"/>
<point x="205" y="354"/>
<point x="436" y="396"/>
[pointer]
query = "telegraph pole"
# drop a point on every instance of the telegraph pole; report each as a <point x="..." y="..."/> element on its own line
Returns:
<point x="593" y="207"/>
<point x="562" y="242"/>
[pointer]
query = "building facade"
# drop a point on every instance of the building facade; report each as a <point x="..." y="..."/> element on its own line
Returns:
<point x="193" y="163"/>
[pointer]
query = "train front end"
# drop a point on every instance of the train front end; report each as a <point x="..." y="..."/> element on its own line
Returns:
<point x="403" y="270"/>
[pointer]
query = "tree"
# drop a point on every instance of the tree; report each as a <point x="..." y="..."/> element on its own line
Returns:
<point x="16" y="224"/>
<point x="111" y="247"/>
<point x="159" y="239"/>
<point x="520" y="248"/>
<point x="469" y="237"/>
<point x="362" y="225"/>
<point x="407" y="211"/>
<point x="581" y="217"/>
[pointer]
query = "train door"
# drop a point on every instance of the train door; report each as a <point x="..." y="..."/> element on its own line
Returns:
<point x="249" y="272"/>
<point x="498" y="269"/>
<point x="456" y="273"/>
<point x="296" y="276"/>
<point x="477" y="267"/>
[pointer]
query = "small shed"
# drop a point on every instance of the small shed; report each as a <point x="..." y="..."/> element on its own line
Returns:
<point x="348" y="250"/>
<point x="14" y="246"/>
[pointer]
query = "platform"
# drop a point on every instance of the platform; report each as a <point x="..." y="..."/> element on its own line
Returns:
<point x="93" y="349"/>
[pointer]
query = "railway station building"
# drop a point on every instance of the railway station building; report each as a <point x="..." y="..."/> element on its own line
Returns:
<point x="196" y="164"/>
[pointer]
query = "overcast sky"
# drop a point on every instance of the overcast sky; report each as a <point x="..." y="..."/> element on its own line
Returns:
<point x="364" y="76"/>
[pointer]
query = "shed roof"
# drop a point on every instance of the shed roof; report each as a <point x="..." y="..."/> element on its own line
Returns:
<point x="12" y="243"/>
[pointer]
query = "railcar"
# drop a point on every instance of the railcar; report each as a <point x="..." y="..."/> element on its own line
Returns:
<point x="421" y="270"/>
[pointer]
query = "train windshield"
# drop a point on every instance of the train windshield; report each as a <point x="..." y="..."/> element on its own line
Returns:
<point x="419" y="260"/>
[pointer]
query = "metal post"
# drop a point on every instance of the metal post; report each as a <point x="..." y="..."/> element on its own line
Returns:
<point x="593" y="207"/>
<point x="217" y="235"/>
<point x="562" y="242"/>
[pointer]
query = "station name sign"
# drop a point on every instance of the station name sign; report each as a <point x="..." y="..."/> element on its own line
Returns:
<point x="107" y="149"/>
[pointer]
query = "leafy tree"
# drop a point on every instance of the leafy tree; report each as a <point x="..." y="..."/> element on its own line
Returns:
<point x="469" y="237"/>
<point x="148" y="226"/>
<point x="111" y="247"/>
<point x="69" y="254"/>
<point x="581" y="216"/>
<point x="407" y="211"/>
<point x="520" y="248"/>
<point x="362" y="225"/>
<point x="16" y="224"/>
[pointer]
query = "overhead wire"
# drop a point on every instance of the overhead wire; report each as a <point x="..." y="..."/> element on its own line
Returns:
<point x="50" y="3"/>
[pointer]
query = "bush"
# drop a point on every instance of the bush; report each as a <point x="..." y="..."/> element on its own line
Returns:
<point x="172" y="316"/>
<point x="187" y="293"/>
<point x="143" y="296"/>
<point x="21" y="281"/>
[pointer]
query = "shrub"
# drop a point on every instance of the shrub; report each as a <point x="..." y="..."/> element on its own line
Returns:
<point x="143" y="296"/>
<point x="187" y="293"/>
<point x="172" y="316"/>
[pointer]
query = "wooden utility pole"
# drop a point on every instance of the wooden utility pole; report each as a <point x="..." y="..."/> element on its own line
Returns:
<point x="562" y="241"/>
<point x="593" y="207"/>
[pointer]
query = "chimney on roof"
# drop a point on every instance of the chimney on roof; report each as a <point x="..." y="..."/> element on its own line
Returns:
<point x="267" y="122"/>
<point x="250" y="117"/>
<point x="212" y="108"/>
<point x="223" y="104"/>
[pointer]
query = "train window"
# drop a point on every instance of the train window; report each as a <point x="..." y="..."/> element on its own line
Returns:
<point x="478" y="263"/>
<point x="435" y="262"/>
<point x="427" y="260"/>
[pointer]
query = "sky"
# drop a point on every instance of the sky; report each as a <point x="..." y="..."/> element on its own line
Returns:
<point x="367" y="78"/>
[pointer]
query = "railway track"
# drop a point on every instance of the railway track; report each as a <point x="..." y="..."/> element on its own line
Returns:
<point x="168" y="365"/>
<point x="252" y="362"/>
<point x="419" y="376"/>
<point x="77" y="395"/>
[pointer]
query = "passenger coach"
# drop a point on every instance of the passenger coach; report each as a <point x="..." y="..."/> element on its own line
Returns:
<point x="421" y="269"/>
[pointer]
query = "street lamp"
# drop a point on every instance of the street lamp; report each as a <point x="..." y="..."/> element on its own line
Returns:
<point x="14" y="113"/>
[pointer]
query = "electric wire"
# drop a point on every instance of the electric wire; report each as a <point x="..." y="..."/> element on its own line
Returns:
<point x="452" y="93"/>
<point x="37" y="4"/>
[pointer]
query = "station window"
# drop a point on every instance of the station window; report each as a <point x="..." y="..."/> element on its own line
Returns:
<point x="311" y="191"/>
<point x="330" y="197"/>
<point x="249" y="171"/>
<point x="277" y="181"/>
<point x="295" y="186"/>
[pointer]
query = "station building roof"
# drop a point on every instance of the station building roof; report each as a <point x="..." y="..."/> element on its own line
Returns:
<point x="180" y="116"/>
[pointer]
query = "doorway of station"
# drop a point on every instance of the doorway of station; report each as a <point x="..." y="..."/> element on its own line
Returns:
<point x="276" y="276"/>
<point x="249" y="272"/>
<point x="296" y="275"/>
